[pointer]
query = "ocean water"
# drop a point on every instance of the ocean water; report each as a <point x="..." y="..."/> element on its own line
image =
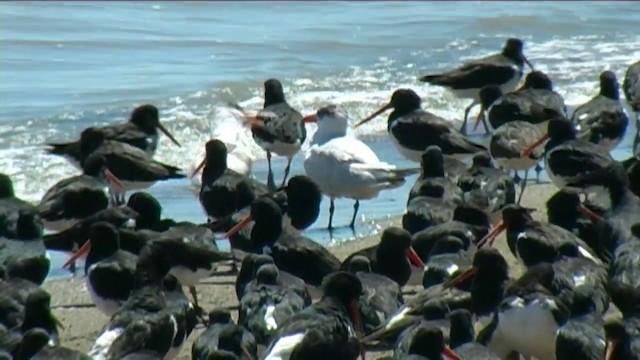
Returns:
<point x="65" y="66"/>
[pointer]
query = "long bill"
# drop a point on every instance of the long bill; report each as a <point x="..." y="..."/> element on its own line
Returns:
<point x="528" y="63"/>
<point x="373" y="116"/>
<point x="449" y="353"/>
<point x="239" y="226"/>
<point x="610" y="348"/>
<point x="200" y="167"/>
<point x="492" y="235"/>
<point x="313" y="118"/>
<point x="460" y="278"/>
<point x="113" y="180"/>
<point x="529" y="149"/>
<point x="584" y="211"/>
<point x="356" y="319"/>
<point x="166" y="132"/>
<point x="479" y="118"/>
<point x="413" y="258"/>
<point x="84" y="250"/>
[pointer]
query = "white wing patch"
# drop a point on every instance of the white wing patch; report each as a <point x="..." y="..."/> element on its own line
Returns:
<point x="101" y="347"/>
<point x="269" y="319"/>
<point x="283" y="348"/>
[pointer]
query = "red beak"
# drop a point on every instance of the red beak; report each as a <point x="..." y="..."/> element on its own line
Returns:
<point x="526" y="152"/>
<point x="113" y="180"/>
<point x="166" y="132"/>
<point x="491" y="236"/>
<point x="354" y="312"/>
<point x="237" y="227"/>
<point x="310" y="119"/>
<point x="460" y="278"/>
<point x="373" y="116"/>
<point x="200" y="167"/>
<point x="414" y="259"/>
<point x="479" y="119"/>
<point x="584" y="211"/>
<point x="84" y="250"/>
<point x="446" y="351"/>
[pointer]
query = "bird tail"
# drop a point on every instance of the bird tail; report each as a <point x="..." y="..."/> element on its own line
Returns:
<point x="62" y="148"/>
<point x="443" y="79"/>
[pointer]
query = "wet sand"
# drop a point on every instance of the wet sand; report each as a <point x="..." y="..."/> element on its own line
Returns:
<point x="83" y="322"/>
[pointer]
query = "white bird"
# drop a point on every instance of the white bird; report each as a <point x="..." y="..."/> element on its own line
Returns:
<point x="344" y="166"/>
<point x="237" y="139"/>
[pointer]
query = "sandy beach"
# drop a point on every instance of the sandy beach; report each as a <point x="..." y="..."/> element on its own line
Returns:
<point x="82" y="322"/>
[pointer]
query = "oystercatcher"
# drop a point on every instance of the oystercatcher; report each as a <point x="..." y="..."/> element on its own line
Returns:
<point x="223" y="337"/>
<point x="393" y="257"/>
<point x="140" y="131"/>
<point x="326" y="329"/>
<point x="433" y="172"/>
<point x="581" y="338"/>
<point x="277" y="128"/>
<point x="34" y="346"/>
<point x="25" y="256"/>
<point x="412" y="129"/>
<point x="504" y="69"/>
<point x="290" y="250"/>
<point x="344" y="166"/>
<point x="566" y="157"/>
<point x="602" y="120"/>
<point x="80" y="196"/>
<point x="434" y="206"/>
<point x="447" y="257"/>
<point x="462" y="338"/>
<point x="621" y="345"/>
<point x="10" y="206"/>
<point x="267" y="304"/>
<point x="631" y="88"/>
<point x="110" y="270"/>
<point x="381" y="296"/>
<point x="427" y="343"/>
<point x="134" y="167"/>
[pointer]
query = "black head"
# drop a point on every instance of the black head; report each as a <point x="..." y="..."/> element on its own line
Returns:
<point x="488" y="95"/>
<point x="461" y="331"/>
<point x="617" y="341"/>
<point x="303" y="201"/>
<point x="562" y="208"/>
<point x="33" y="341"/>
<point x="625" y="297"/>
<point x="516" y="216"/>
<point x="428" y="342"/>
<point x="37" y="312"/>
<point x="90" y="139"/>
<point x="153" y="265"/>
<point x="94" y="165"/>
<point x="148" y="208"/>
<point x="359" y="263"/>
<point x="220" y="316"/>
<point x="538" y="80"/>
<point x="267" y="274"/>
<point x="447" y="245"/>
<point x="609" y="86"/>
<point x="561" y="130"/>
<point x="395" y="238"/>
<point x="104" y="238"/>
<point x="342" y="286"/>
<point x="6" y="187"/>
<point x="490" y="260"/>
<point x="273" y="92"/>
<point x="267" y="216"/>
<point x="513" y="48"/>
<point x="231" y="339"/>
<point x="482" y="160"/>
<point x="432" y="162"/>
<point x="29" y="226"/>
<point x="216" y="154"/>
<point x="405" y="100"/>
<point x="146" y="117"/>
<point x="471" y="214"/>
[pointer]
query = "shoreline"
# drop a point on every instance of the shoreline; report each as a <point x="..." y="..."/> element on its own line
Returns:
<point x="83" y="322"/>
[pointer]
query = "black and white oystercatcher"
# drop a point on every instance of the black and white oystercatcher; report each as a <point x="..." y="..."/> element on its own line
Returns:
<point x="412" y="129"/>
<point x="140" y="131"/>
<point x="80" y="196"/>
<point x="631" y="88"/>
<point x="24" y="255"/>
<point x="10" y="206"/>
<point x="602" y="120"/>
<point x="222" y="337"/>
<point x="504" y="69"/>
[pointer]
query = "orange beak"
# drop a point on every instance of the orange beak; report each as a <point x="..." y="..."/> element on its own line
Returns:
<point x="584" y="211"/>
<point x="239" y="226"/>
<point x="609" y="349"/>
<point x="373" y="116"/>
<point x="491" y="236"/>
<point x="446" y="351"/>
<point x="413" y="257"/>
<point x="354" y="313"/>
<point x="460" y="278"/>
<point x="479" y="118"/>
<point x="113" y="180"/>
<point x="526" y="152"/>
<point x="83" y="251"/>
<point x="166" y="132"/>
<point x="310" y="119"/>
<point x="200" y="167"/>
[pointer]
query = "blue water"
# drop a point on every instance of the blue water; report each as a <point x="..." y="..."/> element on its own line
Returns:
<point x="67" y="66"/>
